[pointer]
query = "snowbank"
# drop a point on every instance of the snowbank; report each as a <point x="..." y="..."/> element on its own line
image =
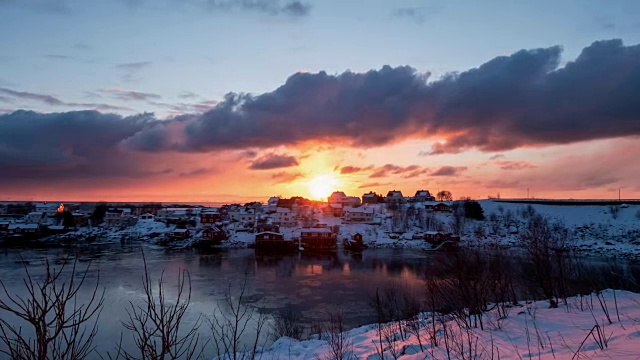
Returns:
<point x="530" y="330"/>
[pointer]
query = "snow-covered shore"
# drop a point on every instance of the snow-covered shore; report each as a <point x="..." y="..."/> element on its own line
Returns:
<point x="595" y="230"/>
<point x="530" y="330"/>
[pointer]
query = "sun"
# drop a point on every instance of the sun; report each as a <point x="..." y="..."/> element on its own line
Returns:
<point x="321" y="186"/>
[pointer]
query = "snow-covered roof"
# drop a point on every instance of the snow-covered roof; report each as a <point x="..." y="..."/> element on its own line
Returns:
<point x="359" y="210"/>
<point x="34" y="213"/>
<point x="23" y="226"/>
<point x="432" y="232"/>
<point x="56" y="227"/>
<point x="315" y="230"/>
<point x="269" y="232"/>
<point x="180" y="230"/>
<point x="370" y="195"/>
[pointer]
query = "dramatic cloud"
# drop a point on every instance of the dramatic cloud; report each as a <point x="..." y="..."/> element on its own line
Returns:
<point x="449" y="171"/>
<point x="273" y="161"/>
<point x="521" y="100"/>
<point x="67" y="145"/>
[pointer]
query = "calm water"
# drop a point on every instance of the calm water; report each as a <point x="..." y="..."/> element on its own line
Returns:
<point x="315" y="285"/>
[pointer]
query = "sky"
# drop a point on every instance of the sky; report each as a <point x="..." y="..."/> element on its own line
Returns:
<point x="239" y="100"/>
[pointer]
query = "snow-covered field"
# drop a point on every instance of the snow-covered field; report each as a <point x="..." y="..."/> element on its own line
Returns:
<point x="579" y="330"/>
<point x="595" y="230"/>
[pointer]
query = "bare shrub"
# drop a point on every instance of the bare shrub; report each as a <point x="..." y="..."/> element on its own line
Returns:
<point x="229" y="327"/>
<point x="614" y="210"/>
<point x="547" y="245"/>
<point x="340" y="346"/>
<point x="287" y="323"/>
<point x="156" y="325"/>
<point x="62" y="327"/>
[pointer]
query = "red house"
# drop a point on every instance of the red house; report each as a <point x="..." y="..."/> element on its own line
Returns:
<point x="180" y="234"/>
<point x="210" y="217"/>
<point x="213" y="234"/>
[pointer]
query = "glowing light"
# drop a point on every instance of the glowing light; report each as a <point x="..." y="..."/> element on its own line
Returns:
<point x="61" y="208"/>
<point x="321" y="186"/>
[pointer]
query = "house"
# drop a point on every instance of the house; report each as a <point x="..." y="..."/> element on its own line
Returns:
<point x="80" y="219"/>
<point x="318" y="239"/>
<point x="340" y="198"/>
<point x="438" y="207"/>
<point x="272" y="203"/>
<point x="147" y="216"/>
<point x="395" y="197"/>
<point x="23" y="228"/>
<point x="285" y="217"/>
<point x="422" y="196"/>
<point x="268" y="236"/>
<point x="113" y="217"/>
<point x="370" y="198"/>
<point x="181" y="234"/>
<point x="213" y="233"/>
<point x="35" y="217"/>
<point x="49" y="209"/>
<point x="333" y="210"/>
<point x="268" y="227"/>
<point x="4" y="225"/>
<point x="210" y="217"/>
<point x="355" y="242"/>
<point x="242" y="215"/>
<point x="358" y="215"/>
<point x="336" y="197"/>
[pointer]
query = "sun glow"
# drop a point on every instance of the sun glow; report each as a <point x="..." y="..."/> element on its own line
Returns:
<point x="321" y="186"/>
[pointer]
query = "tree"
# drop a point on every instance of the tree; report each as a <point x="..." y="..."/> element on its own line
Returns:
<point x="63" y="327"/>
<point x="473" y="210"/>
<point x="98" y="213"/>
<point x="444" y="195"/>
<point x="67" y="220"/>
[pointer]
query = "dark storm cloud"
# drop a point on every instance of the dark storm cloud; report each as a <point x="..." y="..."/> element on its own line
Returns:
<point x="67" y="145"/>
<point x="511" y="101"/>
<point x="449" y="171"/>
<point x="273" y="161"/>
<point x="520" y="100"/>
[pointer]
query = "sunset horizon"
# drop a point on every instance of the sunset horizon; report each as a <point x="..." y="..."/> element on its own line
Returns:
<point x="300" y="105"/>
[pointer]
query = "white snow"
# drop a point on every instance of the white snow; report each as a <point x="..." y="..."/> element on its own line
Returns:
<point x="530" y="331"/>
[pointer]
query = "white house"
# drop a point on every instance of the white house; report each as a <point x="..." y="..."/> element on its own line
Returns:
<point x="35" y="217"/>
<point x="272" y="203"/>
<point x="50" y="209"/>
<point x="285" y="217"/>
<point x="359" y="214"/>
<point x="242" y="215"/>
